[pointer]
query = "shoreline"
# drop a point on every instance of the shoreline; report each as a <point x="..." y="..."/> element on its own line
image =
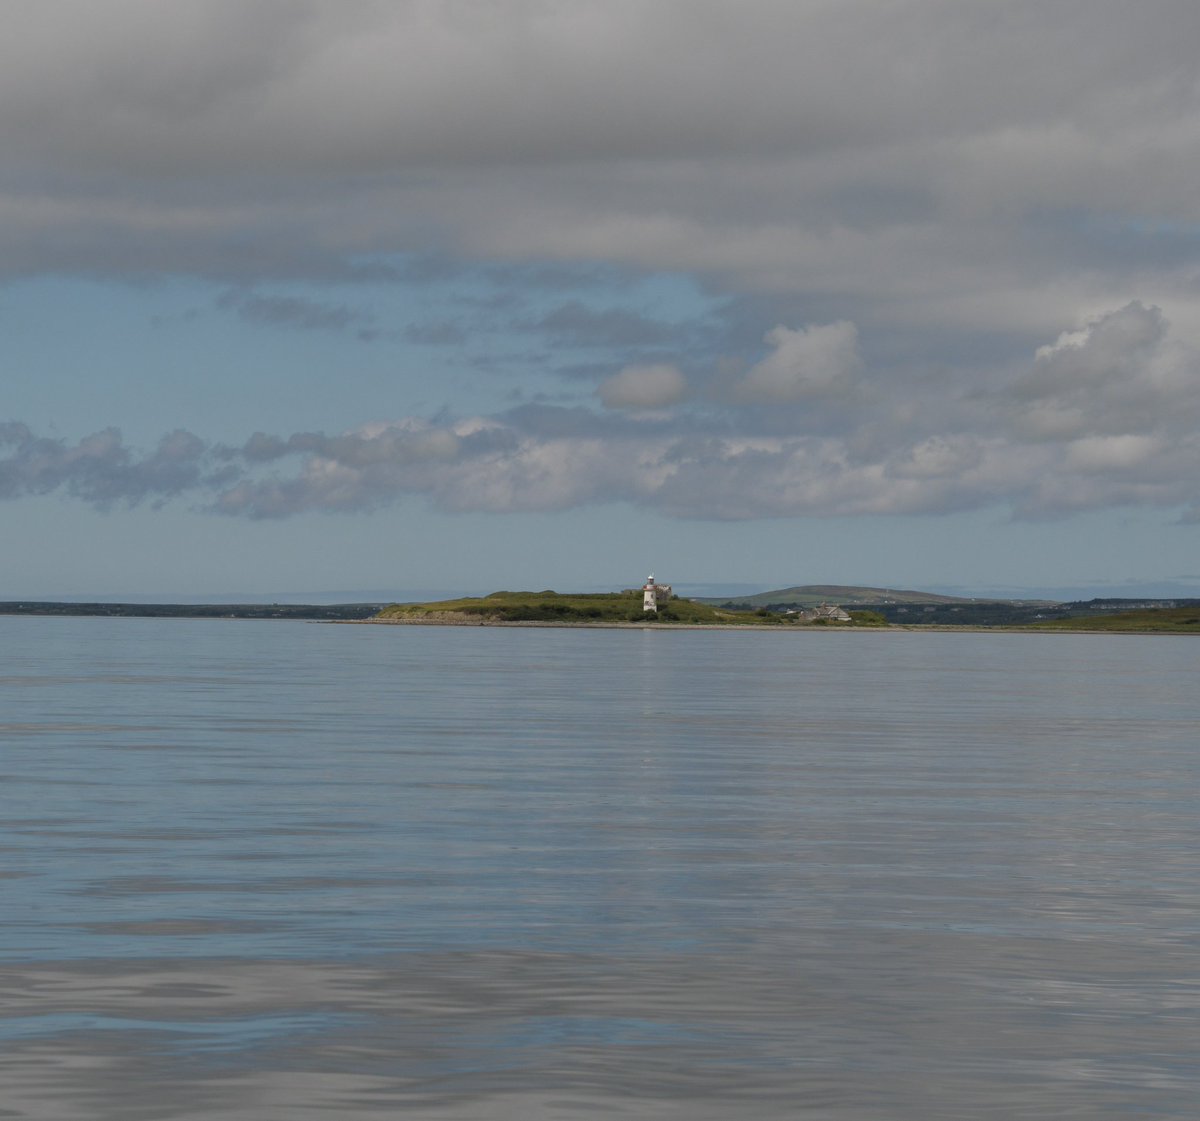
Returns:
<point x="323" y="615"/>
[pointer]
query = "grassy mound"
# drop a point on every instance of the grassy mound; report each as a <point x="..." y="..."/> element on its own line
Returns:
<point x="551" y="607"/>
<point x="1177" y="620"/>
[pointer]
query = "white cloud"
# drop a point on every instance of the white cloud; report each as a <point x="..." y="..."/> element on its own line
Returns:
<point x="643" y="387"/>
<point x="938" y="457"/>
<point x="808" y="362"/>
<point x="1123" y="393"/>
<point x="1111" y="453"/>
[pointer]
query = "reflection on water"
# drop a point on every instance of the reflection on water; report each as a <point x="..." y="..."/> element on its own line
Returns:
<point x="282" y="870"/>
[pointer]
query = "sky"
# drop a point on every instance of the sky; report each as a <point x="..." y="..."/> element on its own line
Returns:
<point x="372" y="298"/>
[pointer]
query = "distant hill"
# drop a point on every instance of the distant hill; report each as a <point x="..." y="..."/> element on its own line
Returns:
<point x="808" y="595"/>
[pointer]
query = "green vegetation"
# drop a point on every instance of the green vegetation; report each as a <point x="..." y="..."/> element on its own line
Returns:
<point x="1176" y="620"/>
<point x="867" y="619"/>
<point x="609" y="607"/>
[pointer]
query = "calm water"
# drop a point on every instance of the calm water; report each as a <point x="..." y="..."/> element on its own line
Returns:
<point x="277" y="871"/>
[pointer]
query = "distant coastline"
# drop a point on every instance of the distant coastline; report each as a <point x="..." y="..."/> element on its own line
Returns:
<point x="617" y="611"/>
<point x="338" y="612"/>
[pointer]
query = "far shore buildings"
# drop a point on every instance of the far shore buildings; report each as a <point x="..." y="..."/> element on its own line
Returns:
<point x="653" y="594"/>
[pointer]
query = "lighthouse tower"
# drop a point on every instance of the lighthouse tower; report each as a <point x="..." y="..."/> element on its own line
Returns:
<point x="650" y="595"/>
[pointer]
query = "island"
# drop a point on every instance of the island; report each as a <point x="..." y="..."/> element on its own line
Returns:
<point x="624" y="608"/>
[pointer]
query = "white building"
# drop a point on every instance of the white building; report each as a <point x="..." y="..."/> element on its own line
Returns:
<point x="826" y="611"/>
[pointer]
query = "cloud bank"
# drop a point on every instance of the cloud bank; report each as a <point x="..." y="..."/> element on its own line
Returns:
<point x="1107" y="415"/>
<point x="936" y="162"/>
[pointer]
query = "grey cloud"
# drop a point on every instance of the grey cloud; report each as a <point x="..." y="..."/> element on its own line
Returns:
<point x="351" y="472"/>
<point x="556" y="277"/>
<point x="1106" y="353"/>
<point x="435" y="334"/>
<point x="99" y="469"/>
<point x="574" y="324"/>
<point x="293" y="311"/>
<point x="930" y="160"/>
<point x="1120" y="374"/>
<point x="220" y="84"/>
<point x="643" y="387"/>
<point x="260" y="448"/>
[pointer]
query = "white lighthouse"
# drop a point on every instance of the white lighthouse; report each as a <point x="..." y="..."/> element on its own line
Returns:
<point x="650" y="595"/>
<point x="653" y="594"/>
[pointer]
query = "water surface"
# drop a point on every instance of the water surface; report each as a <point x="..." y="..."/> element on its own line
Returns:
<point x="264" y="870"/>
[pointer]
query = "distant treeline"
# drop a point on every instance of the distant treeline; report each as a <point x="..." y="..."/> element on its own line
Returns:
<point x="334" y="611"/>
